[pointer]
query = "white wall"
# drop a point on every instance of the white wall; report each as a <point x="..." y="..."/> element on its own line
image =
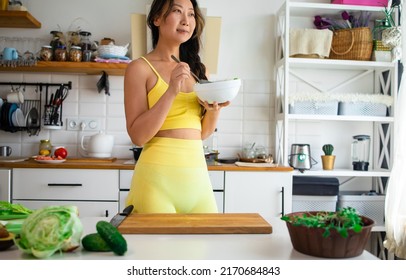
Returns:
<point x="246" y="51"/>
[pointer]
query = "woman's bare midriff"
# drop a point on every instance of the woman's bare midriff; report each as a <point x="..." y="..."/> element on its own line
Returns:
<point x="181" y="133"/>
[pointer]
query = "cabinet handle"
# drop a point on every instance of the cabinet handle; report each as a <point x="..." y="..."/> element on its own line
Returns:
<point x="107" y="213"/>
<point x="283" y="200"/>
<point x="64" y="185"/>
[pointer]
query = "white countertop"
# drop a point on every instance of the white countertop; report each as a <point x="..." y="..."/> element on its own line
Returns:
<point x="274" y="246"/>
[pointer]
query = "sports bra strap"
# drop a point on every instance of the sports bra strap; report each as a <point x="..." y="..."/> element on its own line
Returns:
<point x="152" y="67"/>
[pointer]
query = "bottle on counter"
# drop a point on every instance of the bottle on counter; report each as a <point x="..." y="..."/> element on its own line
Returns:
<point x="45" y="147"/>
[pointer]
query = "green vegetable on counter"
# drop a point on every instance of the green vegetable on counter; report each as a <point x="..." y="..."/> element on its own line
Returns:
<point x="7" y="208"/>
<point x="50" y="229"/>
<point x="112" y="236"/>
<point x="95" y="243"/>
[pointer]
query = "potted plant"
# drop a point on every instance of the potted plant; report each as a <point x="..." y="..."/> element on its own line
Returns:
<point x="340" y="234"/>
<point x="328" y="158"/>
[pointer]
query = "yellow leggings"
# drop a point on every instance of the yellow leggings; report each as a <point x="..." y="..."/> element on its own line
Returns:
<point x="171" y="176"/>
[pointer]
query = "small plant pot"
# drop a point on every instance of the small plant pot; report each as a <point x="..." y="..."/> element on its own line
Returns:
<point x="328" y="162"/>
<point x="310" y="241"/>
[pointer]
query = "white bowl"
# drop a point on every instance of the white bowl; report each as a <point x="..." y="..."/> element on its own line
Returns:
<point x="218" y="91"/>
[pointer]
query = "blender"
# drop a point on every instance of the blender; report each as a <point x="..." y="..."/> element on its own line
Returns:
<point x="360" y="148"/>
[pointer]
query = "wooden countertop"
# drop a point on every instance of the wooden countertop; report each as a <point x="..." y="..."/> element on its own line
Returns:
<point x="126" y="164"/>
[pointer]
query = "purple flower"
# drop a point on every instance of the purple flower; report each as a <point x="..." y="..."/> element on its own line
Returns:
<point x="346" y="16"/>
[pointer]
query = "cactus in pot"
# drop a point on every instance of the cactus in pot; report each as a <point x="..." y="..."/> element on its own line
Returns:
<point x="328" y="149"/>
<point x="328" y="158"/>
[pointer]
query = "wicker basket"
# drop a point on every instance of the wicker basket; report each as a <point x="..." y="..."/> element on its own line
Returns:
<point x="352" y="44"/>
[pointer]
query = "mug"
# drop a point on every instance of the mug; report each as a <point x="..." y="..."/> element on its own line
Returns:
<point x="15" y="97"/>
<point x="10" y="54"/>
<point x="5" y="151"/>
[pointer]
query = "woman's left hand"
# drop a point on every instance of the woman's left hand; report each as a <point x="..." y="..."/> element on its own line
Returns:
<point x="214" y="106"/>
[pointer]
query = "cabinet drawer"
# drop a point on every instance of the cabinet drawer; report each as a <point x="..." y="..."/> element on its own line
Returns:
<point x="86" y="208"/>
<point x="65" y="184"/>
<point x="217" y="179"/>
<point x="125" y="179"/>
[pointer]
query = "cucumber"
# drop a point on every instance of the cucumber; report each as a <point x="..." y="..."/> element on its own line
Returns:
<point x="95" y="243"/>
<point x="112" y="236"/>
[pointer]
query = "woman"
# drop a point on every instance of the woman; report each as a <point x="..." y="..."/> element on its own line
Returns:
<point x="165" y="116"/>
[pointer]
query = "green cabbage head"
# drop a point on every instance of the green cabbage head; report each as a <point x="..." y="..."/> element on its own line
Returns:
<point x="50" y="229"/>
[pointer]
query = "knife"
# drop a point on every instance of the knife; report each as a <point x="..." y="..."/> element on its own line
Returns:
<point x="119" y="218"/>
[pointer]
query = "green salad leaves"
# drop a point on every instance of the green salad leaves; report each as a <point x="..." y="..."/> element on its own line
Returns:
<point x="7" y="208"/>
<point x="50" y="229"/>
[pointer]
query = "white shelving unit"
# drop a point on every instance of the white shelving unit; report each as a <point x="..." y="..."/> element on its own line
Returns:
<point x="296" y="75"/>
<point x="327" y="75"/>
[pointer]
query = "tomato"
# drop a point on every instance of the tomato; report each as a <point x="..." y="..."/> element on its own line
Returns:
<point x="61" y="153"/>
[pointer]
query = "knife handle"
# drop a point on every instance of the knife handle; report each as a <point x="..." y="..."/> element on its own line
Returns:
<point x="127" y="211"/>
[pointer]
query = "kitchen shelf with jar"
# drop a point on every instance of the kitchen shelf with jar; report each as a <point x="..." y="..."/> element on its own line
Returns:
<point x="90" y="68"/>
<point x="18" y="19"/>
<point x="294" y="75"/>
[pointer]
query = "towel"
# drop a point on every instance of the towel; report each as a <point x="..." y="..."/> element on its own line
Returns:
<point x="310" y="42"/>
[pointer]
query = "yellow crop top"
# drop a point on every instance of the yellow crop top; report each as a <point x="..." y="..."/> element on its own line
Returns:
<point x="185" y="112"/>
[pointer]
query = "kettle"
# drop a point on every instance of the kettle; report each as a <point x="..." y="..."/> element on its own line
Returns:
<point x="300" y="157"/>
<point x="99" y="145"/>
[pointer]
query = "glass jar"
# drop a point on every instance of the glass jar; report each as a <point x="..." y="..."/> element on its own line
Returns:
<point x="75" y="54"/>
<point x="61" y="54"/>
<point x="85" y="45"/>
<point x="45" y="147"/>
<point x="56" y="40"/>
<point x="46" y="53"/>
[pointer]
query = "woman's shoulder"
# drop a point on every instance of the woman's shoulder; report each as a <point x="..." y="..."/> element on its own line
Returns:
<point x="137" y="65"/>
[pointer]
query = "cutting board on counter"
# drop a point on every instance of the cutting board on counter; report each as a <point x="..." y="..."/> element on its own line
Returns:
<point x="227" y="223"/>
<point x="89" y="159"/>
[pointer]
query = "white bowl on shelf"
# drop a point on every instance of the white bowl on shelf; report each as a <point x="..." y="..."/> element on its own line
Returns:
<point x="218" y="91"/>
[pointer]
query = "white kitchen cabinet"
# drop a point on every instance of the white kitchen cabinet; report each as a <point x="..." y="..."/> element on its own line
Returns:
<point x="303" y="75"/>
<point x="216" y="178"/>
<point x="5" y="185"/>
<point x="266" y="193"/>
<point x="95" y="192"/>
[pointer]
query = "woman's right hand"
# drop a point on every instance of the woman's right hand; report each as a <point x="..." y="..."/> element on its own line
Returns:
<point x="179" y="74"/>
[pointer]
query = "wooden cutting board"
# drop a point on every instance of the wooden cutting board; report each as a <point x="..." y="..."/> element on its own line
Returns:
<point x="227" y="223"/>
<point x="109" y="159"/>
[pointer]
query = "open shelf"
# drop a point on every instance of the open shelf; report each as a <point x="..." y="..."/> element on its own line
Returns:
<point x="18" y="19"/>
<point x="91" y="68"/>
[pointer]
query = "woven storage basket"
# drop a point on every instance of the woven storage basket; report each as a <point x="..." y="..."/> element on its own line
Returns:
<point x="352" y="44"/>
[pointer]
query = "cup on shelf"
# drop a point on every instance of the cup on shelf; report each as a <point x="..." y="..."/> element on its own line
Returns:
<point x="10" y="54"/>
<point x="15" y="97"/>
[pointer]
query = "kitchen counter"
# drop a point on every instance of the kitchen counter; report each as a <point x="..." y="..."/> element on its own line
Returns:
<point x="125" y="164"/>
<point x="274" y="246"/>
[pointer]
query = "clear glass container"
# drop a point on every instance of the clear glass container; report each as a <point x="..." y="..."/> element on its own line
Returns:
<point x="46" y="53"/>
<point x="75" y="54"/>
<point x="85" y="42"/>
<point x="61" y="54"/>
<point x="360" y="148"/>
<point x="45" y="147"/>
<point x="86" y="45"/>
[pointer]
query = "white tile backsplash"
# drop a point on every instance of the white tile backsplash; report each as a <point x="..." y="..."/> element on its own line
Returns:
<point x="247" y="119"/>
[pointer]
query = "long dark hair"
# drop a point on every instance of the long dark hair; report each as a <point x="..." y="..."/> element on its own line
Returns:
<point x="189" y="50"/>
